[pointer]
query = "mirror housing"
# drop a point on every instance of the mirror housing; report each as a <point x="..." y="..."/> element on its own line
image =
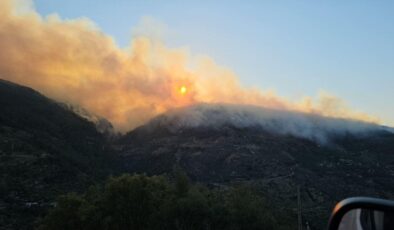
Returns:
<point x="355" y="203"/>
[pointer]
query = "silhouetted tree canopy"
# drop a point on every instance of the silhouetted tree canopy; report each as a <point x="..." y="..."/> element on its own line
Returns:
<point x="142" y="202"/>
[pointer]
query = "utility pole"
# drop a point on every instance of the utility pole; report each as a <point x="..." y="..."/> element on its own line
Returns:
<point x="299" y="208"/>
<point x="307" y="226"/>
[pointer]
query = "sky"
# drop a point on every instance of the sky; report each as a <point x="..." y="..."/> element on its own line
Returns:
<point x="296" y="48"/>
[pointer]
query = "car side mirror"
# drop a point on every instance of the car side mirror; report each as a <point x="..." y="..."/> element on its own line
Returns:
<point x="362" y="213"/>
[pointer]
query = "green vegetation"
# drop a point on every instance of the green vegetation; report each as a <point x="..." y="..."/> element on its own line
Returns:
<point x="45" y="150"/>
<point x="142" y="202"/>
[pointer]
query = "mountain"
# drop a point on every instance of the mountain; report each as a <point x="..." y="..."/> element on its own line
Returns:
<point x="329" y="159"/>
<point x="49" y="148"/>
<point x="102" y="124"/>
<point x="45" y="150"/>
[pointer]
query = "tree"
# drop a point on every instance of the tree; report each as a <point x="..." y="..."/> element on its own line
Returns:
<point x="152" y="203"/>
<point x="248" y="210"/>
<point x="69" y="214"/>
<point x="182" y="183"/>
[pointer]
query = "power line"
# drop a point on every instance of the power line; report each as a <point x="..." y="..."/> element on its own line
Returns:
<point x="299" y="208"/>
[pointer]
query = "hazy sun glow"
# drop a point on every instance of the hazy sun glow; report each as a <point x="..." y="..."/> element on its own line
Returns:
<point x="183" y="90"/>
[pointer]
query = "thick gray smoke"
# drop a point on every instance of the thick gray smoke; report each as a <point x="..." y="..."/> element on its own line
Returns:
<point x="305" y="125"/>
<point x="74" y="61"/>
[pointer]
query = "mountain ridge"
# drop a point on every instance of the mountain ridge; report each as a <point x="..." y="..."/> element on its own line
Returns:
<point x="45" y="150"/>
<point x="283" y="122"/>
<point x="355" y="164"/>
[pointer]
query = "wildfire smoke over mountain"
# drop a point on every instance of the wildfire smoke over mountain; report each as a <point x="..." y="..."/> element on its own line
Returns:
<point x="74" y="61"/>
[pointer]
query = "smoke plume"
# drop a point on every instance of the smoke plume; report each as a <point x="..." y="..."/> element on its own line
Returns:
<point x="75" y="62"/>
<point x="282" y="122"/>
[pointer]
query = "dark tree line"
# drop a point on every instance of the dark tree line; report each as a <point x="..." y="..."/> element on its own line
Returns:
<point x="142" y="202"/>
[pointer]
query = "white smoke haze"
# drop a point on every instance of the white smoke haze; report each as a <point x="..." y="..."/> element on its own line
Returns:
<point x="73" y="61"/>
<point x="284" y="122"/>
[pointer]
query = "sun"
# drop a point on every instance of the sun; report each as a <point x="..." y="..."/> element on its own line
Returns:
<point x="183" y="90"/>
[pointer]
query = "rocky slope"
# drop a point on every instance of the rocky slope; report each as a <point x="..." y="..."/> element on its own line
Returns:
<point x="45" y="150"/>
<point x="350" y="162"/>
<point x="48" y="149"/>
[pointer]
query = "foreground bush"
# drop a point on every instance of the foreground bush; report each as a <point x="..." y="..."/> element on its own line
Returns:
<point x="141" y="202"/>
